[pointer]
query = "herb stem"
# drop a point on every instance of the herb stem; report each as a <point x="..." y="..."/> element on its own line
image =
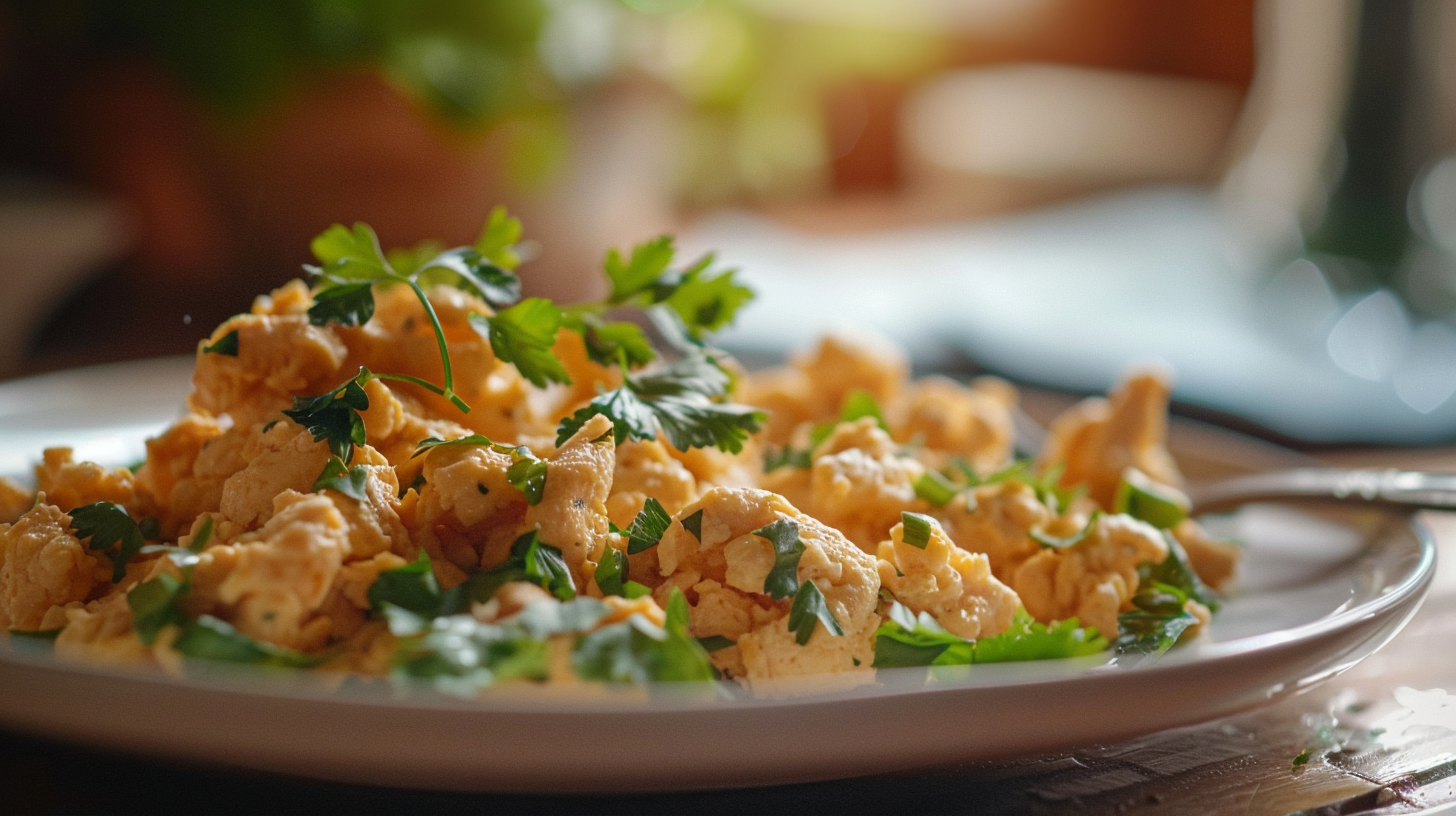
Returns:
<point x="449" y="392"/>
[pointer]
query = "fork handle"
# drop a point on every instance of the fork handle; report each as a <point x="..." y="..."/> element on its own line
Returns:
<point x="1408" y="489"/>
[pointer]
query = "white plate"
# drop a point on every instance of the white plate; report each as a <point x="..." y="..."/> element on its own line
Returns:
<point x="1320" y="593"/>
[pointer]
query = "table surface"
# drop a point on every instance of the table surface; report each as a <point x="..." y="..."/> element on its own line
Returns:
<point x="1242" y="764"/>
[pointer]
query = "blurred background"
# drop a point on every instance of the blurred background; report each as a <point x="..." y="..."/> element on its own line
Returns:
<point x="1257" y="195"/>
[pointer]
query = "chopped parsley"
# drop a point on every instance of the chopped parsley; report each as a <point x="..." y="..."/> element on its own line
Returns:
<point x="530" y="560"/>
<point x="108" y="525"/>
<point x="526" y="473"/>
<point x="693" y="523"/>
<point x="783" y="579"/>
<point x="226" y="345"/>
<point x="907" y="639"/>
<point x="1161" y="616"/>
<point x="775" y="458"/>
<point x="648" y="527"/>
<point x="155" y="605"/>
<point x="809" y="606"/>
<point x="459" y="654"/>
<point x="612" y="576"/>
<point x="352" y="482"/>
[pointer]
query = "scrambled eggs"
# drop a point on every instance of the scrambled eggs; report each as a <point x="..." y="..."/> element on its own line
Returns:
<point x="783" y="559"/>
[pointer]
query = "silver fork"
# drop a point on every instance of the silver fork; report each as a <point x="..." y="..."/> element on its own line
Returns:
<point x="1399" y="489"/>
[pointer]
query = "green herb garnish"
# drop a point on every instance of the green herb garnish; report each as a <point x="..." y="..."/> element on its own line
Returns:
<point x="352" y="264"/>
<point x="227" y="345"/>
<point x="775" y="458"/>
<point x="916" y="529"/>
<point x="686" y="400"/>
<point x="858" y="404"/>
<point x="153" y="606"/>
<point x="612" y="576"/>
<point x="693" y="523"/>
<point x="936" y="488"/>
<point x="809" y="606"/>
<point x="783" y="579"/>
<point x="107" y="524"/>
<point x="648" y="527"/>
<point x="524" y="335"/>
<point x="526" y="473"/>
<point x="1139" y="497"/>
<point x="907" y="639"/>
<point x="1054" y="543"/>
<point x="352" y="482"/>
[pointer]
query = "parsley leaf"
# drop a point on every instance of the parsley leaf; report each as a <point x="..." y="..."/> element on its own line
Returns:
<point x="154" y="606"/>
<point x="413" y="588"/>
<point x="349" y="255"/>
<point x="648" y="527"/>
<point x="783" y="579"/>
<point x="809" y="606"/>
<point x="227" y="344"/>
<point x="524" y="335"/>
<point x="715" y="643"/>
<point x="211" y="638"/>
<point x="530" y="560"/>
<point x="638" y="651"/>
<point x="460" y="654"/>
<point x="352" y="263"/>
<point x="618" y="343"/>
<point x="1150" y="633"/>
<point x="526" y="473"/>
<point x="636" y="274"/>
<point x="704" y="303"/>
<point x="1028" y="639"/>
<point x="701" y="301"/>
<point x="775" y="458"/>
<point x="1161" y="617"/>
<point x="352" y="482"/>
<point x="498" y="239"/>
<point x="694" y="524"/>
<point x="1177" y="571"/>
<point x="907" y="639"/>
<point x="108" y="524"/>
<point x="611" y="576"/>
<point x="347" y="304"/>
<point x="683" y="399"/>
<point x="334" y="417"/>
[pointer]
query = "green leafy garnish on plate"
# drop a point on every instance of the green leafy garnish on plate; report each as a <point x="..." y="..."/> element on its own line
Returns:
<point x="783" y="579"/>
<point x="686" y="400"/>
<point x="907" y="639"/>
<point x="648" y="527"/>
<point x="108" y="525"/>
<point x="809" y="607"/>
